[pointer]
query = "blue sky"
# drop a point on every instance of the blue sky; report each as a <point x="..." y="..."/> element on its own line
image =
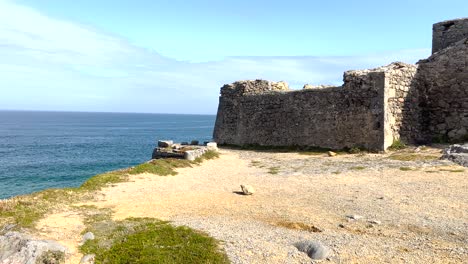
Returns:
<point x="172" y="56"/>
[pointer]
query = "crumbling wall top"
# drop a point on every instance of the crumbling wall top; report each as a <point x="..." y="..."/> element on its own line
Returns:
<point x="249" y="87"/>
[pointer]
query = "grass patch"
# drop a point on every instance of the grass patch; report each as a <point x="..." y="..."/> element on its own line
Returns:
<point x="453" y="170"/>
<point x="210" y="154"/>
<point x="406" y="168"/>
<point x="273" y="170"/>
<point x="412" y="157"/>
<point x="358" y="168"/>
<point x="255" y="163"/>
<point x="397" y="145"/>
<point x="146" y="240"/>
<point x="26" y="210"/>
<point x="336" y="172"/>
<point x="354" y="150"/>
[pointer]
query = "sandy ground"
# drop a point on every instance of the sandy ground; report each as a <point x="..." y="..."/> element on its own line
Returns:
<point x="414" y="216"/>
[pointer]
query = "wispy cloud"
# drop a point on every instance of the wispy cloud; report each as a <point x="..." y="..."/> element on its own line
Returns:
<point x="48" y="63"/>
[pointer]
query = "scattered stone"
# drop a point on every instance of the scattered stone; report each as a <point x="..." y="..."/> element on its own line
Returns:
<point x="165" y="143"/>
<point x="457" y="153"/>
<point x="247" y="189"/>
<point x="17" y="247"/>
<point x="375" y="222"/>
<point x="86" y="237"/>
<point x="194" y="142"/>
<point x="331" y="154"/>
<point x="341" y="226"/>
<point x="194" y="154"/>
<point x="313" y="249"/>
<point x="88" y="259"/>
<point x="212" y="146"/>
<point x="354" y="217"/>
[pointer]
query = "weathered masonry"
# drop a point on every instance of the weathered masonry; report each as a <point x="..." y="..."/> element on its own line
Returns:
<point x="372" y="109"/>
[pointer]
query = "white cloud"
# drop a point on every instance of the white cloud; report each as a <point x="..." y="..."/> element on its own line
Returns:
<point x="48" y="63"/>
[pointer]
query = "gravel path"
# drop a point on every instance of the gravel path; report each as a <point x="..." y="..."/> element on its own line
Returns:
<point x="408" y="211"/>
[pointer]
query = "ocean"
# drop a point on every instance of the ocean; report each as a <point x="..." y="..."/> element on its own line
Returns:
<point x="41" y="150"/>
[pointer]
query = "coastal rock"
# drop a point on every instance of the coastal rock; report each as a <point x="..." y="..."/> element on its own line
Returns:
<point x="247" y="189"/>
<point x="457" y="153"/>
<point x="17" y="248"/>
<point x="194" y="142"/>
<point x="165" y="143"/>
<point x="313" y="249"/>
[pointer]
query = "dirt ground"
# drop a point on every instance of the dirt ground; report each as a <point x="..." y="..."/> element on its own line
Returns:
<point x="412" y="211"/>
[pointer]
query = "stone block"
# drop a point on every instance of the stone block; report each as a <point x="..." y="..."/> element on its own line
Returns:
<point x="165" y="143"/>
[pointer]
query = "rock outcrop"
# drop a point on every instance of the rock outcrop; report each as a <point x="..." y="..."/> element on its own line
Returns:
<point x="18" y="248"/>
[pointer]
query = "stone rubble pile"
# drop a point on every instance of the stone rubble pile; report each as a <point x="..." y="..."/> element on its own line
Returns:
<point x="169" y="149"/>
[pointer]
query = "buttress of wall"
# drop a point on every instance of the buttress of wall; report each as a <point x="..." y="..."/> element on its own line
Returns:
<point x="402" y="112"/>
<point x="339" y="117"/>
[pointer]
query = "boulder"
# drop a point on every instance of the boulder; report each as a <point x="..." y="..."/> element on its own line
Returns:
<point x="331" y="154"/>
<point x="17" y="248"/>
<point x="457" y="153"/>
<point x="313" y="249"/>
<point x="247" y="189"/>
<point x="86" y="237"/>
<point x="165" y="143"/>
<point x="194" y="142"/>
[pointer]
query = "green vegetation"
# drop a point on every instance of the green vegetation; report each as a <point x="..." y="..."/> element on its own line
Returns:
<point x="358" y="168"/>
<point x="397" y="145"/>
<point x="146" y="240"/>
<point x="412" y="157"/>
<point x="354" y="150"/>
<point x="273" y="170"/>
<point x="406" y="168"/>
<point x="336" y="172"/>
<point x="26" y="210"/>
<point x="453" y="170"/>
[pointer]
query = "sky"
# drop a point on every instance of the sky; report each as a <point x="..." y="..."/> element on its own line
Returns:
<point x="173" y="56"/>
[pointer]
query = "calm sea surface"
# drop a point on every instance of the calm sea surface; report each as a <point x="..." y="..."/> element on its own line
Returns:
<point x="40" y="150"/>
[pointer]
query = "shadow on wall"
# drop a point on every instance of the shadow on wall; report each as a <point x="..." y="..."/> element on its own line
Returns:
<point x="440" y="90"/>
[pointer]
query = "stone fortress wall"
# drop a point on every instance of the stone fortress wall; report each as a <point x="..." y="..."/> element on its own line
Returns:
<point x="372" y="109"/>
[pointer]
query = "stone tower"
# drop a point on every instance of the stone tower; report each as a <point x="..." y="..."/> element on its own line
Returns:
<point x="448" y="32"/>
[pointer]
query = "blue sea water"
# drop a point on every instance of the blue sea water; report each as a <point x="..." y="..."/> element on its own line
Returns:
<point x="40" y="150"/>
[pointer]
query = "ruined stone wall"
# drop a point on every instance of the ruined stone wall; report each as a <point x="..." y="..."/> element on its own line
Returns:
<point x="443" y="80"/>
<point x="337" y="117"/>
<point x="448" y="32"/>
<point x="417" y="104"/>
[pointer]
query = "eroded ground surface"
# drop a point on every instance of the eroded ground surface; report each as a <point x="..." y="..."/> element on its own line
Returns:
<point x="412" y="211"/>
